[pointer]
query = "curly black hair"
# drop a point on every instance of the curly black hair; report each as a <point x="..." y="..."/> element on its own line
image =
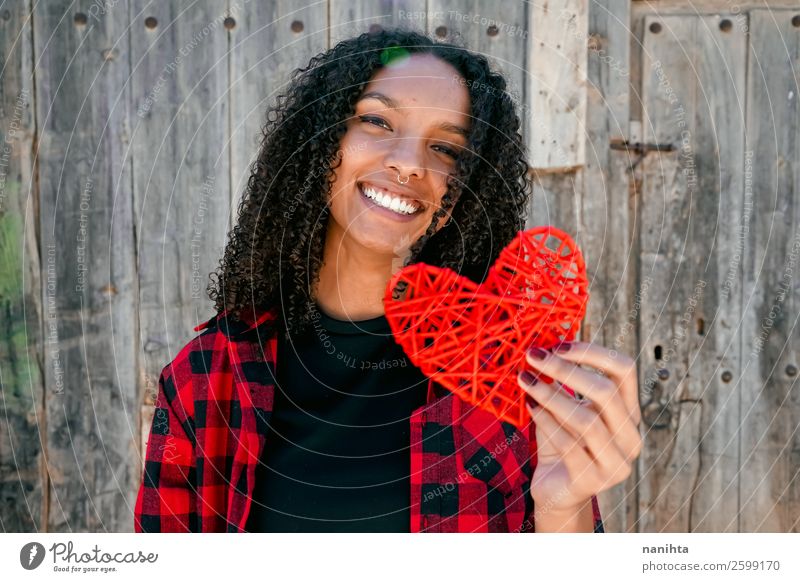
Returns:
<point x="274" y="254"/>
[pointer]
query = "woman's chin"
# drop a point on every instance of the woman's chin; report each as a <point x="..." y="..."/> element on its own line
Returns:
<point x="387" y="243"/>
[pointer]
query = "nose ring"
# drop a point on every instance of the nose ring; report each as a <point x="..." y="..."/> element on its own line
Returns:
<point x="407" y="179"/>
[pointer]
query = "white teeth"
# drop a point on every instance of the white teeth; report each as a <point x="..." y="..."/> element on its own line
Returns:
<point x="394" y="204"/>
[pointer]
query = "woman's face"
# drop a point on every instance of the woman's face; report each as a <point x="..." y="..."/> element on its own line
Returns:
<point x="411" y="120"/>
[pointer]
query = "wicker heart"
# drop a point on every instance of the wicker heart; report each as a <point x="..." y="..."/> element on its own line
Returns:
<point x="472" y="338"/>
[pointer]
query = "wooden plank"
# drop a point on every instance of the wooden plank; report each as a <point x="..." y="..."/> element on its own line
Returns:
<point x="706" y="6"/>
<point x="556" y="88"/>
<point x="348" y="19"/>
<point x="23" y="482"/>
<point x="770" y="437"/>
<point x="181" y="173"/>
<point x="693" y="82"/>
<point x="88" y="265"/>
<point x="736" y="11"/>
<point x="497" y="30"/>
<point x="269" y="41"/>
<point x="556" y="200"/>
<point x="594" y="205"/>
<point x="606" y="213"/>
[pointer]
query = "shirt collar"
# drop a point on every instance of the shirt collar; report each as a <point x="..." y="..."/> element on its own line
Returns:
<point x="248" y="320"/>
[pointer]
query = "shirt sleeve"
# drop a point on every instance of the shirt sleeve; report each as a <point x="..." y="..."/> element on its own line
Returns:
<point x="598" y="519"/>
<point x="167" y="497"/>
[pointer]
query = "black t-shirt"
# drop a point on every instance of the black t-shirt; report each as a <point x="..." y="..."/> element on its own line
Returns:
<point x="336" y="457"/>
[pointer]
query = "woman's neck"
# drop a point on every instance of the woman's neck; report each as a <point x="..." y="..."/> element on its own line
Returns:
<point x="352" y="280"/>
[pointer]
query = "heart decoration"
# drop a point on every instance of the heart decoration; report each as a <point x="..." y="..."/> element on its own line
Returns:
<point x="471" y="338"/>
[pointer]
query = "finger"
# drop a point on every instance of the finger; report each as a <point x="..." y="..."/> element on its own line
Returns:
<point x="587" y="424"/>
<point x="567" y="447"/>
<point x="546" y="448"/>
<point x="616" y="365"/>
<point x="601" y="390"/>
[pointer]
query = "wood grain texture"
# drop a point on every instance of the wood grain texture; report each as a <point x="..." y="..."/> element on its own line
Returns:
<point x="124" y="154"/>
<point x="88" y="266"/>
<point x="643" y="7"/>
<point x="556" y="88"/>
<point x="769" y="483"/>
<point x="496" y="30"/>
<point x="23" y="481"/>
<point x="179" y="121"/>
<point x="595" y="205"/>
<point x="270" y="40"/>
<point x="607" y="212"/>
<point x="693" y="96"/>
<point x="347" y="19"/>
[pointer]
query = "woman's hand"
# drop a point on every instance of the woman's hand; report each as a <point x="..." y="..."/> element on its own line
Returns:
<point x="584" y="447"/>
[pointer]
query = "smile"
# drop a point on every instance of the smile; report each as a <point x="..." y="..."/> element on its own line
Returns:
<point x="386" y="200"/>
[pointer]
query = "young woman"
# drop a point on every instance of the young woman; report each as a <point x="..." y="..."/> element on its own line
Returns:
<point x="294" y="409"/>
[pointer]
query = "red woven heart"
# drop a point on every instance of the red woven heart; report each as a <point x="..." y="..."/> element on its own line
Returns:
<point x="472" y="338"/>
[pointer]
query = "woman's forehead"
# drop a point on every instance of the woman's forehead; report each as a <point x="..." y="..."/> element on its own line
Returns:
<point x="420" y="80"/>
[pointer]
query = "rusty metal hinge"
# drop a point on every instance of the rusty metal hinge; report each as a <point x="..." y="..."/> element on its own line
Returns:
<point x="640" y="148"/>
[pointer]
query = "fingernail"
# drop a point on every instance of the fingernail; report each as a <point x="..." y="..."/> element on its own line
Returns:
<point x="537" y="353"/>
<point x="563" y="347"/>
<point x="530" y="401"/>
<point x="528" y="378"/>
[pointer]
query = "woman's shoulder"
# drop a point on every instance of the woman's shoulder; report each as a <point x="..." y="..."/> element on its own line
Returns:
<point x="235" y="326"/>
<point x="208" y="358"/>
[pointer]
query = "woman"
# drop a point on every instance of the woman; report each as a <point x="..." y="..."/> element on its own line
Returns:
<point x="295" y="410"/>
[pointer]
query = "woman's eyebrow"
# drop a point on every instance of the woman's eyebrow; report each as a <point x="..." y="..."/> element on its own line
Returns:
<point x="392" y="104"/>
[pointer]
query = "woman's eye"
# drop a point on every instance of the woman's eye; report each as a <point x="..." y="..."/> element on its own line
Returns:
<point x="449" y="151"/>
<point x="374" y="121"/>
<point x="381" y="123"/>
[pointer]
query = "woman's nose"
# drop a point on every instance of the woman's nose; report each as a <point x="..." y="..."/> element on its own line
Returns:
<point x="406" y="157"/>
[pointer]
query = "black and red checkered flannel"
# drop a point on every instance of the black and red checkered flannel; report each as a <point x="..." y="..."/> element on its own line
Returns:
<point x="469" y="471"/>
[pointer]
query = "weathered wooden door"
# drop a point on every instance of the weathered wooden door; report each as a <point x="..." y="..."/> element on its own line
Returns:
<point x="719" y="237"/>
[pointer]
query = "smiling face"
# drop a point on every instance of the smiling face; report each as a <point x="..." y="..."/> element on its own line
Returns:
<point x="411" y="120"/>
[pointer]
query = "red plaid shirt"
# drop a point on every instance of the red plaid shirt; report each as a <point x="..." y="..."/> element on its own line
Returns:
<point x="469" y="471"/>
